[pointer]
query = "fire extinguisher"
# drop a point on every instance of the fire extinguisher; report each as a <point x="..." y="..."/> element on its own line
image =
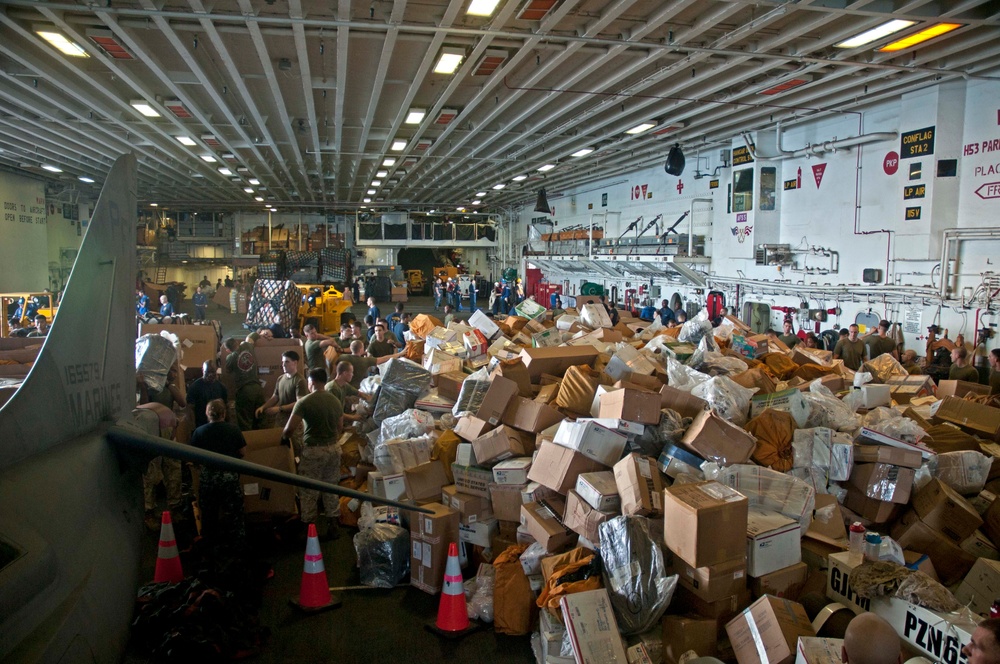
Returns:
<point x="798" y="179"/>
<point x="630" y="300"/>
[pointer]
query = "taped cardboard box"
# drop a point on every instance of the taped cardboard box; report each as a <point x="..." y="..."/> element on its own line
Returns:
<point x="950" y="561"/>
<point x="720" y="611"/>
<point x="516" y="371"/>
<point x="786" y="582"/>
<point x="980" y="546"/>
<point x="876" y="511"/>
<point x="713" y="438"/>
<point x="592" y="440"/>
<point x="496" y="400"/>
<point x="557" y="467"/>
<point x="773" y="542"/>
<point x="887" y="454"/>
<point x="961" y="389"/>
<point x="261" y="495"/>
<point x="593" y="630"/>
<point x="970" y="416"/>
<point x="943" y="509"/>
<point x="684" y="633"/>
<point x="705" y="523"/>
<point x="470" y="508"/>
<point x="713" y="583"/>
<point x="543" y="521"/>
<point x="532" y="416"/>
<point x="449" y="385"/>
<point x="556" y="360"/>
<point x="768" y="631"/>
<point x="424" y="482"/>
<point x="502" y="443"/>
<point x="583" y="519"/>
<point x="470" y="427"/>
<point x="506" y="501"/>
<point x="981" y="586"/>
<point x="599" y="490"/>
<point x="639" y="486"/>
<point x="632" y="406"/>
<point x="883" y="481"/>
<point x="430" y="535"/>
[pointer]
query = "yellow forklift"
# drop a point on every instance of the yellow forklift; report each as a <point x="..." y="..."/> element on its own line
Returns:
<point x="415" y="283"/>
<point x="30" y="304"/>
<point x="323" y="306"/>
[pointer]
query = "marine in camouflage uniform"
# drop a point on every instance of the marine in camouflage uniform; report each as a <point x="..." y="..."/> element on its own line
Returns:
<point x="289" y="388"/>
<point x="220" y="496"/>
<point x="242" y="365"/>
<point x="321" y="412"/>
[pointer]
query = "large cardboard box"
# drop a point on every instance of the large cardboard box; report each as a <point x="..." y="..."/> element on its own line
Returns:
<point x="683" y="633"/>
<point x="512" y="471"/>
<point x="981" y="586"/>
<point x="639" y="486"/>
<point x="471" y="509"/>
<point x="883" y="481"/>
<point x="715" y="439"/>
<point x="449" y="385"/>
<point x="720" y="611"/>
<point x="267" y="496"/>
<point x="392" y="487"/>
<point x="713" y="582"/>
<point x="496" y="400"/>
<point x="950" y="561"/>
<point x="905" y="389"/>
<point x="517" y="372"/>
<point x="599" y="490"/>
<point x="592" y="440"/>
<point x="768" y="631"/>
<point x="469" y="427"/>
<point x="502" y="443"/>
<point x="790" y="401"/>
<point x="424" y="482"/>
<point x="684" y="403"/>
<point x="268" y="353"/>
<point x="973" y="417"/>
<point x="960" y="389"/>
<point x="583" y="519"/>
<point x="943" y="509"/>
<point x="876" y="511"/>
<point x="506" y="501"/>
<point x="556" y="359"/>
<point x="430" y="535"/>
<point x="593" y="630"/>
<point x="557" y="467"/>
<point x="532" y="416"/>
<point x="887" y="454"/>
<point x="199" y="343"/>
<point x="543" y="521"/>
<point x="632" y="406"/>
<point x="705" y="523"/>
<point x="785" y="582"/>
<point x="772" y="542"/>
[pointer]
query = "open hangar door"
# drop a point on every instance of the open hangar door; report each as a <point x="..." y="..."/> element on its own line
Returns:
<point x="423" y="259"/>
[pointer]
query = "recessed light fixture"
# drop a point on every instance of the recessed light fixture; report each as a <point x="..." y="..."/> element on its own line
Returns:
<point x="546" y="167"/>
<point x="144" y="107"/>
<point x="398" y="146"/>
<point x="376" y="183"/>
<point x="498" y="187"/>
<point x="209" y="158"/>
<point x="415" y="116"/>
<point x="84" y="178"/>
<point x="460" y="209"/>
<point x="371" y="192"/>
<point x="154" y="205"/>
<point x="254" y="181"/>
<point x="638" y="129"/>
<point x="61" y="43"/>
<point x="480" y="194"/>
<point x="477" y="202"/>
<point x="449" y="60"/>
<point x="583" y="152"/>
<point x="519" y="178"/>
<point x="259" y="199"/>
<point x="185" y="140"/>
<point x="366" y="200"/>
<point x="225" y="171"/>
<point x="919" y="37"/>
<point x="249" y="190"/>
<point x="389" y="162"/>
<point x="52" y="169"/>
<point x="876" y="33"/>
<point x="482" y="7"/>
<point x="381" y="174"/>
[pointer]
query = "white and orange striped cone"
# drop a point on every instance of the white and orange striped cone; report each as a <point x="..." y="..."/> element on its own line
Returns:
<point x="453" y="619"/>
<point x="314" y="594"/>
<point x="168" y="562"/>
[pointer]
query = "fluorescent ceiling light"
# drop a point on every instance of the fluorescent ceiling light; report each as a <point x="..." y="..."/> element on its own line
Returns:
<point x="460" y="209"/>
<point x="84" y="178"/>
<point x="62" y="44"/>
<point x="371" y="192"/>
<point x="876" y="33"/>
<point x="398" y="146"/>
<point x="144" y="108"/>
<point x="482" y="7"/>
<point x="209" y="158"/>
<point x="259" y="199"/>
<point x="51" y="169"/>
<point x="154" y="205"/>
<point x="449" y="60"/>
<point x="546" y="167"/>
<point x="389" y="162"/>
<point x="415" y="116"/>
<point x="366" y="200"/>
<point x="638" y="129"/>
<point x="477" y="202"/>
<point x="919" y="37"/>
<point x="185" y="140"/>
<point x="254" y="181"/>
<point x="249" y="190"/>
<point x="225" y="171"/>
<point x="519" y="178"/>
<point x="381" y="174"/>
<point x="376" y="183"/>
<point x="582" y="153"/>
<point x="480" y="194"/>
<point x="498" y="187"/>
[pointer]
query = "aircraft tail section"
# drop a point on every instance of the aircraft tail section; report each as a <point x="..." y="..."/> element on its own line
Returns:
<point x="82" y="376"/>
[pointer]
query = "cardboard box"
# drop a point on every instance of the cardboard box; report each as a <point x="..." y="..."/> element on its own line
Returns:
<point x="592" y="440"/>
<point x="876" y="511"/>
<point x="772" y="542"/>
<point x="943" y="509"/>
<point x="713" y="438"/>
<point x="833" y="382"/>
<point x="981" y="586"/>
<point x="786" y="582"/>
<point x="557" y="467"/>
<point x="684" y="403"/>
<point x="516" y="371"/>
<point x="828" y="520"/>
<point x="464" y="455"/>
<point x="937" y="636"/>
<point x="506" y="501"/>
<point x="583" y="519"/>
<point x="198" y="343"/>
<point x="261" y="495"/>
<point x="632" y="406"/>
<point x="683" y="633"/>
<point x="621" y="426"/>
<point x="441" y="524"/>
<point x="424" y="482"/>
<point x="887" y="454"/>
<point x="719" y="611"/>
<point x="532" y="416"/>
<point x="502" y="443"/>
<point x="814" y="650"/>
<point x="790" y="401"/>
<point x="484" y="324"/>
<point x="430" y="535"/>
<point x="768" y="631"/>
<point x="883" y="481"/>
<point x="991" y="522"/>
<point x="593" y="630"/>
<point x="871" y="437"/>
<point x="496" y="400"/>
<point x="449" y="385"/>
<point x="639" y="486"/>
<point x="469" y="428"/>
<point x="906" y="389"/>
<point x="478" y="533"/>
<point x="950" y="561"/>
<point x="874" y="396"/>
<point x="981" y="547"/>
<point x="838" y="583"/>
<point x="705" y="523"/>
<point x="599" y="490"/>
<point x="543" y="521"/>
<point x="713" y="582"/>
<point x="512" y="471"/>
<point x="970" y="416"/>
<point x="392" y="487"/>
<point x="556" y="359"/>
<point x="471" y="509"/>
<point x="960" y="389"/>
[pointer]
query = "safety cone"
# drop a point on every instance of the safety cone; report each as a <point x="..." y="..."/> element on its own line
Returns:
<point x="168" y="563"/>
<point x="315" y="592"/>
<point x="453" y="620"/>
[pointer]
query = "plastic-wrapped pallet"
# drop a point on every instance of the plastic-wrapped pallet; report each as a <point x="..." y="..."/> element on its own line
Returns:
<point x="272" y="298"/>
<point x="634" y="573"/>
<point x="772" y="490"/>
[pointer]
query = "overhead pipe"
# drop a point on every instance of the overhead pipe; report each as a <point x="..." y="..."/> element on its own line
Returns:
<point x="817" y="149"/>
<point x="958" y="235"/>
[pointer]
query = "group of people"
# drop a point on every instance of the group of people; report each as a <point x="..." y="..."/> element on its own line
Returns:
<point x="18" y="329"/>
<point x="505" y="296"/>
<point x="450" y="292"/>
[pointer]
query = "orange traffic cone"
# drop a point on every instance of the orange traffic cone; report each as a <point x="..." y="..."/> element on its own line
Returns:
<point x="314" y="594"/>
<point x="168" y="562"/>
<point x="452" y="620"/>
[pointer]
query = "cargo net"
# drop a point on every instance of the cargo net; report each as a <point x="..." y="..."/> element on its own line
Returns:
<point x="333" y="264"/>
<point x="297" y="260"/>
<point x="271" y="297"/>
<point x="268" y="270"/>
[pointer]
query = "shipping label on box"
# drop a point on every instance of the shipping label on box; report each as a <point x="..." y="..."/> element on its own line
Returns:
<point x="592" y="627"/>
<point x="512" y="471"/>
<point x="592" y="440"/>
<point x="773" y="542"/>
<point x="639" y="485"/>
<point x="599" y="490"/>
<point x="768" y="631"/>
<point x="705" y="522"/>
<point x="790" y="401"/>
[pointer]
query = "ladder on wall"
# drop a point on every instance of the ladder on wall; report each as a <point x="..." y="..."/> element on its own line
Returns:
<point x="161" y="275"/>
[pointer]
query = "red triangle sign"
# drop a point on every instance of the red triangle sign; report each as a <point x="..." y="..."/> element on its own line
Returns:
<point x="818" y="170"/>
